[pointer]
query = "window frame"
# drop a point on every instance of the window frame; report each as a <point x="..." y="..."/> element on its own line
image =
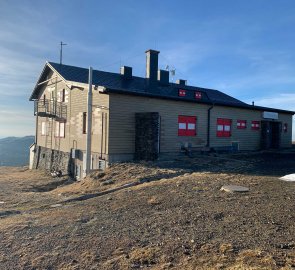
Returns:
<point x="62" y="96"/>
<point x="255" y="125"/>
<point x="60" y="126"/>
<point x="222" y="124"/>
<point x="44" y="99"/>
<point x="181" y="93"/>
<point x="43" y="128"/>
<point x="84" y="123"/>
<point x="198" y="95"/>
<point x="186" y="122"/>
<point x="241" y="124"/>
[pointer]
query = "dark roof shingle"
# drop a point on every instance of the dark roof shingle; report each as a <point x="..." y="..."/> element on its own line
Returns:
<point x="115" y="82"/>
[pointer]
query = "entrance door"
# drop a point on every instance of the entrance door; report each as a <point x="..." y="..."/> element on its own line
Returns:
<point x="271" y="134"/>
<point x="276" y="134"/>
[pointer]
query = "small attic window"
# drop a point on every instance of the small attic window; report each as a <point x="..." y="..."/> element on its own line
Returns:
<point x="198" y="95"/>
<point x="181" y="93"/>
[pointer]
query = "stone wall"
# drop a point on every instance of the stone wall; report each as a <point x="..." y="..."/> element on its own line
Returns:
<point x="147" y="130"/>
<point x="52" y="160"/>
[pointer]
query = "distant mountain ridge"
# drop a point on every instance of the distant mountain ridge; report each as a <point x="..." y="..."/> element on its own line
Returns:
<point x="14" y="151"/>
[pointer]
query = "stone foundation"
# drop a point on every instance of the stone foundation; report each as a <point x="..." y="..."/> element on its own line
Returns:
<point x="52" y="160"/>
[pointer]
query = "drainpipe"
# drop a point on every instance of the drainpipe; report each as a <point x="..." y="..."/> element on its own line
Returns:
<point x="208" y="124"/>
<point x="36" y="133"/>
<point x="36" y="150"/>
<point x="101" y="139"/>
<point x="89" y="123"/>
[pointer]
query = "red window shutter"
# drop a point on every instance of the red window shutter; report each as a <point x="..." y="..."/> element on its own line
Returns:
<point x="227" y="128"/>
<point x="191" y="126"/>
<point x="223" y="127"/>
<point x="181" y="93"/>
<point x="186" y="125"/>
<point x="198" y="95"/>
<point x="181" y="126"/>
<point x="241" y="124"/>
<point x="220" y="125"/>
<point x="255" y="125"/>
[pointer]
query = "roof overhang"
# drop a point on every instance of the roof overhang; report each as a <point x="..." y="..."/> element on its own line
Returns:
<point x="43" y="79"/>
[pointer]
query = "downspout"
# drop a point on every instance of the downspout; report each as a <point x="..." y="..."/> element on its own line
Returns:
<point x="36" y="133"/>
<point x="105" y="137"/>
<point x="89" y="123"/>
<point x="101" y="138"/>
<point x="36" y="150"/>
<point x="208" y="124"/>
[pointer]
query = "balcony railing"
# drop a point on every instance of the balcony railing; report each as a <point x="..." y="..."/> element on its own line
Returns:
<point x="51" y="109"/>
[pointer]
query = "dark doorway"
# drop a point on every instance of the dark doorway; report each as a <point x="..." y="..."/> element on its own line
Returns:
<point x="147" y="136"/>
<point x="271" y="134"/>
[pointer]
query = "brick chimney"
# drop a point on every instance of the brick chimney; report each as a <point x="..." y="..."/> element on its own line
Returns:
<point x="126" y="72"/>
<point x="152" y="66"/>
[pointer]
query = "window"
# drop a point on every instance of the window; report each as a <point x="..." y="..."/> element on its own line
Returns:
<point x="43" y="129"/>
<point x="59" y="129"/>
<point x="255" y="125"/>
<point x="181" y="93"/>
<point x="241" y="124"/>
<point x="198" y="95"/>
<point x="44" y="99"/>
<point x="62" y="129"/>
<point x="285" y="127"/>
<point x="187" y="125"/>
<point x="84" y="122"/>
<point x="223" y="127"/>
<point x="63" y="95"/>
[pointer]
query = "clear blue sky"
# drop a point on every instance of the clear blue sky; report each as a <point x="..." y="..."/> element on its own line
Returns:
<point x="244" y="48"/>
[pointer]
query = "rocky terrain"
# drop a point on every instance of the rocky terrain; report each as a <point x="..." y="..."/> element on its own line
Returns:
<point x="172" y="216"/>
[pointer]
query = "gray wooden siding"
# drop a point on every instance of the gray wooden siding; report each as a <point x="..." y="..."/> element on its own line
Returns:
<point x="248" y="139"/>
<point x="122" y="123"/>
<point x="76" y="101"/>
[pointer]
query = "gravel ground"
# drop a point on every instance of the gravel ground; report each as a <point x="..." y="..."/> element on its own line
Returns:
<point x="176" y="218"/>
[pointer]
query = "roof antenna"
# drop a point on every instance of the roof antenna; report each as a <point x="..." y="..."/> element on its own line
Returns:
<point x="172" y="72"/>
<point x="60" y="54"/>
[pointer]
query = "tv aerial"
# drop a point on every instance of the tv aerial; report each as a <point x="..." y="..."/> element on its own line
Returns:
<point x="60" y="54"/>
<point x="171" y="70"/>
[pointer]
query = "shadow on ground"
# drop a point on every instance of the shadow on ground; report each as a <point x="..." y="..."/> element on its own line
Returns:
<point x="266" y="163"/>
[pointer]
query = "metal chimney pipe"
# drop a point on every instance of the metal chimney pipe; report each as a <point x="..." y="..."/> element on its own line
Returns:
<point x="89" y="123"/>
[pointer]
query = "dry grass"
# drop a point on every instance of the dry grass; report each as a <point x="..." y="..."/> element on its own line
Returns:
<point x="179" y="220"/>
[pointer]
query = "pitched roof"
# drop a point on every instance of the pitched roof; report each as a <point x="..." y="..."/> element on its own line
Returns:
<point x="114" y="82"/>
